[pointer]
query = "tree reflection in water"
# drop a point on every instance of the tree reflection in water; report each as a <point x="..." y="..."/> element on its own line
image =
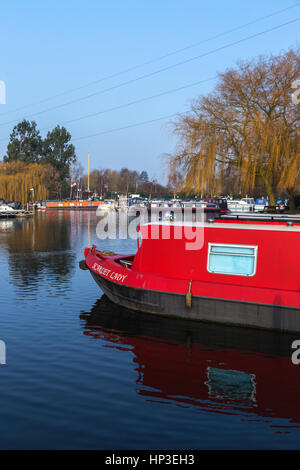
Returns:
<point x="40" y="248"/>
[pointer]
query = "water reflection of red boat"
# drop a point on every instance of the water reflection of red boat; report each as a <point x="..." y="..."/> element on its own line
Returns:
<point x="219" y="368"/>
<point x="242" y="273"/>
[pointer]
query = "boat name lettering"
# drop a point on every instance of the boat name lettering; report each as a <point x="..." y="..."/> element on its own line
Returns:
<point x="109" y="273"/>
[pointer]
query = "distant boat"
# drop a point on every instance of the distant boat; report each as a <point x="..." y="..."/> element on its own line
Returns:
<point x="72" y="205"/>
<point x="261" y="204"/>
<point x="40" y="205"/>
<point x="6" y="211"/>
<point x="6" y="208"/>
<point x="107" y="206"/>
<point x="15" y="205"/>
<point x="244" y="204"/>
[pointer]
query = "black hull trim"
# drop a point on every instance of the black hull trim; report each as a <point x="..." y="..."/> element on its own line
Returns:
<point x="273" y="317"/>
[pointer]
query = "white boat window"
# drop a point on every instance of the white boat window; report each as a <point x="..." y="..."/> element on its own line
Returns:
<point x="239" y="260"/>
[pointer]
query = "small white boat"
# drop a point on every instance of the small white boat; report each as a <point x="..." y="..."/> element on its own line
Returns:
<point x="245" y="204"/>
<point x="107" y="206"/>
<point x="6" y="211"/>
<point x="6" y="208"/>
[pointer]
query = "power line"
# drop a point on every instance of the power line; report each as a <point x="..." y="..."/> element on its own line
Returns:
<point x="141" y="100"/>
<point x="164" y="69"/>
<point x="141" y="65"/>
<point x="127" y="127"/>
<point x="148" y="98"/>
<point x="169" y="91"/>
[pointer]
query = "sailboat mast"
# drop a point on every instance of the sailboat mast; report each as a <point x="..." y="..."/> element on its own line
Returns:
<point x="89" y="172"/>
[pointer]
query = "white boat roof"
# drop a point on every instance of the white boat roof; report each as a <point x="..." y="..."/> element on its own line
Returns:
<point x="228" y="225"/>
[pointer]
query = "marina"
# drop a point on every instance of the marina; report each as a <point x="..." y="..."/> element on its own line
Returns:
<point x="149" y="230"/>
<point x="224" y="204"/>
<point x="106" y="377"/>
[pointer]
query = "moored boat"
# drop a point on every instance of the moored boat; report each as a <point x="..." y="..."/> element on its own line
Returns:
<point x="245" y="204"/>
<point x="108" y="205"/>
<point x="6" y="210"/>
<point x="261" y="205"/>
<point x="72" y="205"/>
<point x="233" y="271"/>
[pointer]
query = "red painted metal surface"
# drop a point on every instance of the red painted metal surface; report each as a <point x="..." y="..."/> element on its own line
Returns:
<point x="165" y="265"/>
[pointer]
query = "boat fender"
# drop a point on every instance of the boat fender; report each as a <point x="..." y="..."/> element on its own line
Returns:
<point x="188" y="297"/>
<point x="83" y="265"/>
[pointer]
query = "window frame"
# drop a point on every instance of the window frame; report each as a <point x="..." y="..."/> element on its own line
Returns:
<point x="231" y="245"/>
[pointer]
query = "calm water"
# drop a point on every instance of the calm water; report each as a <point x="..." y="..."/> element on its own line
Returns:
<point x="83" y="373"/>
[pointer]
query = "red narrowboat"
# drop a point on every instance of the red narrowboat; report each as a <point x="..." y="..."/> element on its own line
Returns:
<point x="240" y="272"/>
<point x="73" y="205"/>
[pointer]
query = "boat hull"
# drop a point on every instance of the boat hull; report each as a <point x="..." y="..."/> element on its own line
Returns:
<point x="231" y="312"/>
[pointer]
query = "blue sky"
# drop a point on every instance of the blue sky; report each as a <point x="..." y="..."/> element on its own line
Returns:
<point x="57" y="57"/>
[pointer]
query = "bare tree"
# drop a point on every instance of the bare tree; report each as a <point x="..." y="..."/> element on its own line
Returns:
<point x="247" y="130"/>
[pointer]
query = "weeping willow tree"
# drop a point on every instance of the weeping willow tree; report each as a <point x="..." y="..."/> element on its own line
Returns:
<point x="18" y="178"/>
<point x="245" y="134"/>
